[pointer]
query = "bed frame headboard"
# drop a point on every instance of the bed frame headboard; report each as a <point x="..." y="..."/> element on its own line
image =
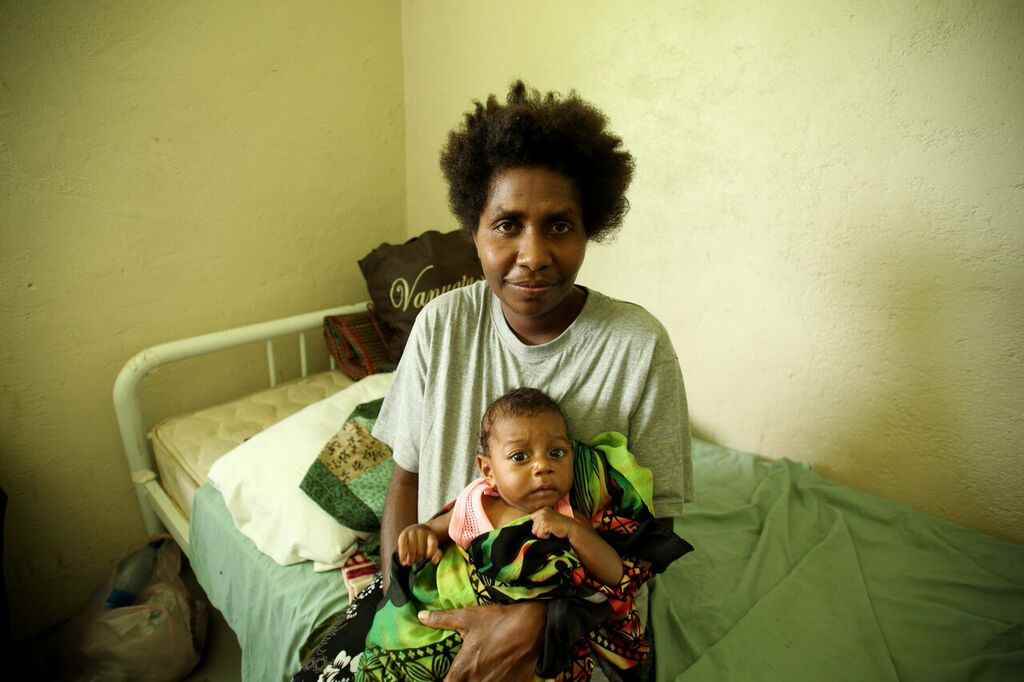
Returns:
<point x="158" y="510"/>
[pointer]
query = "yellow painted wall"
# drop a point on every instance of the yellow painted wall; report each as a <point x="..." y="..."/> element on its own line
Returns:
<point x="166" y="169"/>
<point x="828" y="215"/>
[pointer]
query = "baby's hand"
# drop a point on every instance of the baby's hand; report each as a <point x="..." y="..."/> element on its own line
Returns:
<point x="547" y="522"/>
<point x="416" y="543"/>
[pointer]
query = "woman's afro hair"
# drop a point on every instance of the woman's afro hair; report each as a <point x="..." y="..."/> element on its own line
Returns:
<point x="566" y="135"/>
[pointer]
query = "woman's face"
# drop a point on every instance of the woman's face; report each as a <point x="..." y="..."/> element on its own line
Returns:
<point x="531" y="243"/>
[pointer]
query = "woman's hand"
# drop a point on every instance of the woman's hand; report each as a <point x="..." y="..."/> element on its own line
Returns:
<point x="416" y="543"/>
<point x="498" y="642"/>
<point x="547" y="523"/>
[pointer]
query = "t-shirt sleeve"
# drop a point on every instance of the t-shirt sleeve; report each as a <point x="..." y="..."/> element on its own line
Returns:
<point x="400" y="421"/>
<point x="660" y="431"/>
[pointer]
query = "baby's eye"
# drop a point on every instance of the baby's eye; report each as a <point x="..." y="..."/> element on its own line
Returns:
<point x="518" y="457"/>
<point x="557" y="453"/>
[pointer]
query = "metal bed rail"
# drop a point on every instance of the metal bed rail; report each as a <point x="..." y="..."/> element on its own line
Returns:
<point x="158" y="510"/>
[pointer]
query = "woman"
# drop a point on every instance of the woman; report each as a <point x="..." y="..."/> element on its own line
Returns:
<point x="532" y="181"/>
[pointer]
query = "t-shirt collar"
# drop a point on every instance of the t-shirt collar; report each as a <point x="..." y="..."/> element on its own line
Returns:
<point x="544" y="350"/>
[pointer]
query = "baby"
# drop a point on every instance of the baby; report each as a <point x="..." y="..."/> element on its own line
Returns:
<point x="526" y="462"/>
<point x="547" y="519"/>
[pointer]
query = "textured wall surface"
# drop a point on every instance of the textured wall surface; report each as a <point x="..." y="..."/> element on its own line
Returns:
<point x="166" y="169"/>
<point x="828" y="215"/>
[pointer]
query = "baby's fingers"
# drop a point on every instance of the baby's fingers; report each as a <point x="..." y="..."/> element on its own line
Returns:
<point x="423" y="542"/>
<point x="431" y="548"/>
<point x="403" y="549"/>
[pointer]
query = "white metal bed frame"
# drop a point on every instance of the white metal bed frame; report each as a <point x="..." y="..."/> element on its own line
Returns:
<point x="159" y="511"/>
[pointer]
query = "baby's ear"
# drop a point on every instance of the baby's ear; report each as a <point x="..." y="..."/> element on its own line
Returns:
<point x="483" y="463"/>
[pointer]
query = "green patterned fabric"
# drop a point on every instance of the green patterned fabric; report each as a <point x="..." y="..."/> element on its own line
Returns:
<point x="510" y="564"/>
<point x="349" y="479"/>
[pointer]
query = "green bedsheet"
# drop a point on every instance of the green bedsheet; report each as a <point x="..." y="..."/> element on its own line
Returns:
<point x="272" y="608"/>
<point x="796" y="578"/>
<point x="792" y="578"/>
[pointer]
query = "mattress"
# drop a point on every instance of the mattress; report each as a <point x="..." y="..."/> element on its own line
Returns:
<point x="186" y="446"/>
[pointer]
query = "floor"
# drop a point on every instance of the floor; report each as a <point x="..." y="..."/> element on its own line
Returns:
<point x="222" y="660"/>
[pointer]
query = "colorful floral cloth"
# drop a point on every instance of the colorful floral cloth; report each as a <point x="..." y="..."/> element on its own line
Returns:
<point x="587" y="621"/>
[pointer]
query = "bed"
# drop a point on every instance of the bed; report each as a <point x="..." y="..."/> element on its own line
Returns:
<point x="793" y="576"/>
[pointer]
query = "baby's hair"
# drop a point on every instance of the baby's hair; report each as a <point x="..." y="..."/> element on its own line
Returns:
<point x="519" y="402"/>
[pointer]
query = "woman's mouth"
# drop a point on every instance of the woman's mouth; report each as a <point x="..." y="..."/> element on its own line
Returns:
<point x="531" y="286"/>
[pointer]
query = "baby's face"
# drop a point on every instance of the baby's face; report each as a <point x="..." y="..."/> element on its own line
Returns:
<point x="529" y="460"/>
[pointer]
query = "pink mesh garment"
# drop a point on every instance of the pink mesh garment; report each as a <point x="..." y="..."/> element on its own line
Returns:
<point x="469" y="519"/>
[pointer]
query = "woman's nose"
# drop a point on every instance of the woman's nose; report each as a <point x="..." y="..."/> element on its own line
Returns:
<point x="534" y="252"/>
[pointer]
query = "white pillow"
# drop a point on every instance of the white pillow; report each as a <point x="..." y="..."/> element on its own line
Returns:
<point x="259" y="480"/>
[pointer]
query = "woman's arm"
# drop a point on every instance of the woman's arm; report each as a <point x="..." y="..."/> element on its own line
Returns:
<point x="399" y="512"/>
<point x="659" y="431"/>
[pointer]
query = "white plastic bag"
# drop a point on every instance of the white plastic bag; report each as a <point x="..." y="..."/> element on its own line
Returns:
<point x="157" y="639"/>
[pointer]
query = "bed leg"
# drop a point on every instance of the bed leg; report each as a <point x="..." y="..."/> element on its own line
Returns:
<point x="150" y="520"/>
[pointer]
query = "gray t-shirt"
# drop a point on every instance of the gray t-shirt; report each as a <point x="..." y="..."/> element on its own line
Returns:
<point x="613" y="369"/>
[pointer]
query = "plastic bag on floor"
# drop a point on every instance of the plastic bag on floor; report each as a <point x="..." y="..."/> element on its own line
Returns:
<point x="143" y="625"/>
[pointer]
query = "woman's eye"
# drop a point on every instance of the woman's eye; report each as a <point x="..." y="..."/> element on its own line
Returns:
<point x="505" y="227"/>
<point x="561" y="228"/>
<point x="557" y="453"/>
